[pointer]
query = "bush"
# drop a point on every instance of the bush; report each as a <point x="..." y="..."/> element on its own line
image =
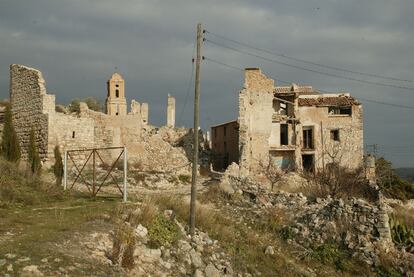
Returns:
<point x="184" y="178"/>
<point x="10" y="147"/>
<point x="33" y="154"/>
<point x="163" y="231"/>
<point x="331" y="254"/>
<point x="340" y="182"/>
<point x="92" y="103"/>
<point x="390" y="183"/>
<point x="402" y="234"/>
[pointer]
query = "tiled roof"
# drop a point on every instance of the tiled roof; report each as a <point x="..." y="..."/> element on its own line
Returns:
<point x="340" y="100"/>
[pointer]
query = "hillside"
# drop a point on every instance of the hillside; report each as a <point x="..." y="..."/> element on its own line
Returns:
<point x="406" y="173"/>
<point x="243" y="229"/>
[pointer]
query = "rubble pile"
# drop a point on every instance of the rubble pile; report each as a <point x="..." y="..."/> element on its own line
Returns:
<point x="361" y="226"/>
<point x="197" y="256"/>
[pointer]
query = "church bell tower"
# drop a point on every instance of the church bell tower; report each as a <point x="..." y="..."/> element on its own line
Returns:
<point x="116" y="102"/>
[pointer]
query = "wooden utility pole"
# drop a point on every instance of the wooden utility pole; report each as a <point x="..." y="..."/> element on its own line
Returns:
<point x="195" y="130"/>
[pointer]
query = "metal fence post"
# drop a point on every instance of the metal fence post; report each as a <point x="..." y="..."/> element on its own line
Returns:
<point x="125" y="173"/>
<point x="65" y="175"/>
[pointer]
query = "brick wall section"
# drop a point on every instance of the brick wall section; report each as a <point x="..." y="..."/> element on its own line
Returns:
<point x="28" y="97"/>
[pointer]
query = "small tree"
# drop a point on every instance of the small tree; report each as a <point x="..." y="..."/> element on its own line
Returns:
<point x="10" y="148"/>
<point x="33" y="154"/>
<point x="58" y="167"/>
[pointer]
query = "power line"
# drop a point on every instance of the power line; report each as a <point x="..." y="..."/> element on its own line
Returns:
<point x="190" y="82"/>
<point x="307" y="69"/>
<point x="287" y="82"/>
<point x="310" y="62"/>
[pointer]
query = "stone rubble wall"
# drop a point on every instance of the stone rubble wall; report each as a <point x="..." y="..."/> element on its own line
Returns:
<point x="28" y="99"/>
<point x="363" y="227"/>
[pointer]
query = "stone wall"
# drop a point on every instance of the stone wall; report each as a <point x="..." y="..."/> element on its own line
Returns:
<point x="28" y="99"/>
<point x="33" y="108"/>
<point x="255" y="119"/>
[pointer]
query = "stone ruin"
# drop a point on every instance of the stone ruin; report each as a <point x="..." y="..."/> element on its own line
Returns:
<point x="33" y="108"/>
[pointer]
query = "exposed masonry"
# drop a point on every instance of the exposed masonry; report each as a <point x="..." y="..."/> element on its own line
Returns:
<point x="33" y="108"/>
<point x="170" y="111"/>
<point x="296" y="127"/>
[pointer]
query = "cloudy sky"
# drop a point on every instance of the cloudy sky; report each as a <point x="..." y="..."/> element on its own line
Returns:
<point x="77" y="44"/>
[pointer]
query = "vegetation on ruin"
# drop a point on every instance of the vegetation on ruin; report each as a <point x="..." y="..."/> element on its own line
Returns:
<point x="390" y="183"/>
<point x="93" y="104"/>
<point x="33" y="154"/>
<point x="339" y="182"/>
<point x="10" y="148"/>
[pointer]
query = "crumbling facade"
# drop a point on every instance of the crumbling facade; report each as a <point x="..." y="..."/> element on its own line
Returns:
<point x="296" y="127"/>
<point x="34" y="109"/>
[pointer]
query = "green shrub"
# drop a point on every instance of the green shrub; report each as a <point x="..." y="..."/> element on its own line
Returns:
<point x="286" y="233"/>
<point x="331" y="254"/>
<point x="93" y="104"/>
<point x="401" y="233"/>
<point x="10" y="147"/>
<point x="184" y="178"/>
<point x="58" y="166"/>
<point x="33" y="154"/>
<point x="163" y="231"/>
<point x="390" y="183"/>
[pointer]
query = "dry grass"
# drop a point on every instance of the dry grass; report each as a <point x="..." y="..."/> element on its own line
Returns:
<point x="405" y="215"/>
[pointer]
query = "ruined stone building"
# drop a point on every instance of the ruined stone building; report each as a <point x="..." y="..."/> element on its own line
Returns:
<point x="34" y="109"/>
<point x="293" y="127"/>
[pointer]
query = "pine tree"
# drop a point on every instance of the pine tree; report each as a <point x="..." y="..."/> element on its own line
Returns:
<point x="10" y="148"/>
<point x="33" y="153"/>
<point x="58" y="167"/>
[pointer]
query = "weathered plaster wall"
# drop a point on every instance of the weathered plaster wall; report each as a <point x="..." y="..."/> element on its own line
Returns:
<point x="348" y="151"/>
<point x="255" y="119"/>
<point x="28" y="100"/>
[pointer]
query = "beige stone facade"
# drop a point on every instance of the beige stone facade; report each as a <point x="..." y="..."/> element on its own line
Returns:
<point x="116" y="103"/>
<point x="33" y="108"/>
<point x="296" y="127"/>
<point x="170" y="111"/>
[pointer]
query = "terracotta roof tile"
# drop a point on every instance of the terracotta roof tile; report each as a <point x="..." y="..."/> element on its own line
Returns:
<point x="328" y="101"/>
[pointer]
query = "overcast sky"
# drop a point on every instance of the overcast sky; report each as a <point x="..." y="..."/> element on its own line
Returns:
<point x="78" y="43"/>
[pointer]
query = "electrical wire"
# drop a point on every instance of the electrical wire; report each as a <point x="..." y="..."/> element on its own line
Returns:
<point x="309" y="62"/>
<point x="190" y="82"/>
<point x="308" y="69"/>
<point x="287" y="82"/>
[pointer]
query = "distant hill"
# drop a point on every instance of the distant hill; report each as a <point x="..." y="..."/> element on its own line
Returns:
<point x="406" y="173"/>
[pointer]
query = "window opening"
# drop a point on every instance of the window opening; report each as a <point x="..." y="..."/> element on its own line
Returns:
<point x="335" y="135"/>
<point x="307" y="138"/>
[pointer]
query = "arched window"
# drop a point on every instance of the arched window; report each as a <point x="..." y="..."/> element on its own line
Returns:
<point x="117" y="93"/>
